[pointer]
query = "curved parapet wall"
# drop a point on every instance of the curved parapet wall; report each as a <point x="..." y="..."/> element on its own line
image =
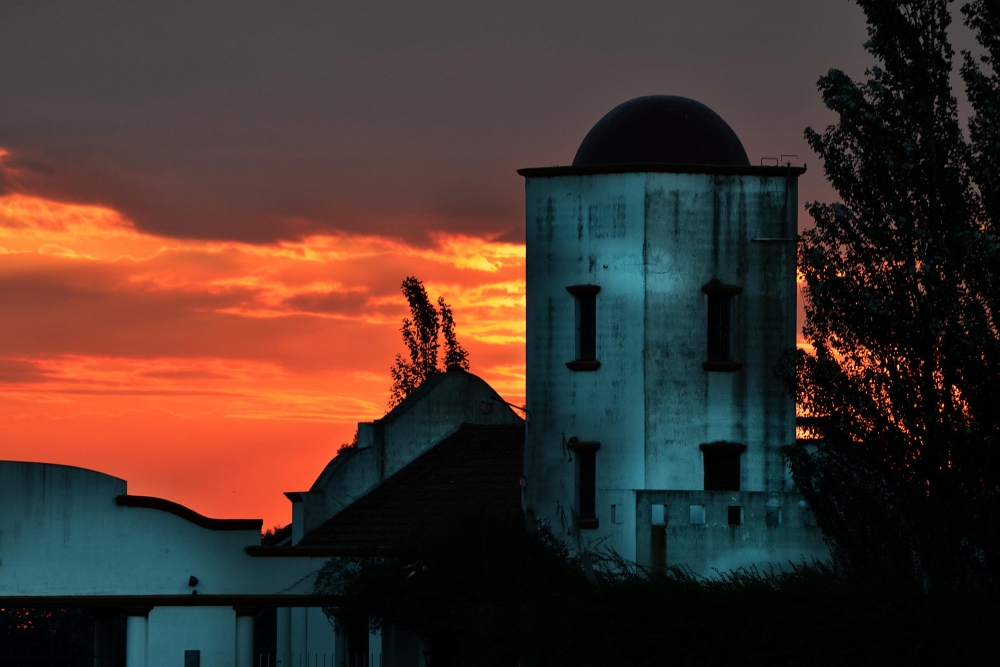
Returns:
<point x="189" y="514"/>
<point x="70" y="532"/>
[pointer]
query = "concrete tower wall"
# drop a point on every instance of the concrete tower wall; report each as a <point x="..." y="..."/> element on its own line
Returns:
<point x="651" y="240"/>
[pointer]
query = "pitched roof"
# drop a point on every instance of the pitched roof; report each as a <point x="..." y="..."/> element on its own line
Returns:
<point x="477" y="466"/>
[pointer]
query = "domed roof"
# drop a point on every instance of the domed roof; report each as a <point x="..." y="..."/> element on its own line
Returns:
<point x="661" y="129"/>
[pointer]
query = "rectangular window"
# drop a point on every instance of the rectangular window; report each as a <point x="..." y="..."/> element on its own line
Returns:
<point x="696" y="515"/>
<point x="585" y="354"/>
<point x="585" y="454"/>
<point x="720" y="331"/>
<point x="722" y="466"/>
<point x="658" y="514"/>
<point x="192" y="658"/>
<point x="617" y="515"/>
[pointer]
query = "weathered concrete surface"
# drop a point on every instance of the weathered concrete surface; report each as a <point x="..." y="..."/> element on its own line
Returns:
<point x="716" y="546"/>
<point x="651" y="240"/>
<point x="62" y="533"/>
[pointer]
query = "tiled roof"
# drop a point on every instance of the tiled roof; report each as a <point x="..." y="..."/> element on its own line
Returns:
<point x="478" y="466"/>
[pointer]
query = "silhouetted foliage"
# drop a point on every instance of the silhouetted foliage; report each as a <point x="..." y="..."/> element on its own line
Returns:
<point x="495" y="594"/>
<point x="902" y="299"/>
<point x="348" y="446"/>
<point x="420" y="335"/>
<point x="455" y="355"/>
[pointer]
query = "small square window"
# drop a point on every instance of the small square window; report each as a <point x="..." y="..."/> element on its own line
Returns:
<point x="192" y="658"/>
<point x="697" y="515"/>
<point x="735" y="515"/>
<point x="773" y="517"/>
<point x="657" y="515"/>
<point x="616" y="514"/>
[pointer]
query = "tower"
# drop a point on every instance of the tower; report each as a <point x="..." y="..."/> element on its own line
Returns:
<point x="661" y="296"/>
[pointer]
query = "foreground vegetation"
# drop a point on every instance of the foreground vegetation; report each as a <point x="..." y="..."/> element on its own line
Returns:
<point x="494" y="594"/>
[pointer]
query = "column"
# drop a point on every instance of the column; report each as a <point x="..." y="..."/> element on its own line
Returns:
<point x="244" y="636"/>
<point x="375" y="649"/>
<point x="284" y="658"/>
<point x="136" y="636"/>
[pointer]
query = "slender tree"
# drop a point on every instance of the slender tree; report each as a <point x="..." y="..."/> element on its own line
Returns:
<point x="455" y="356"/>
<point x="420" y="335"/>
<point x="901" y="298"/>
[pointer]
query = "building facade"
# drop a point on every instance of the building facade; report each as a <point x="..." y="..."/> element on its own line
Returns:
<point x="661" y="293"/>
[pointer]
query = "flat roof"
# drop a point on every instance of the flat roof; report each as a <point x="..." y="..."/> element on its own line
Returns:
<point x="724" y="170"/>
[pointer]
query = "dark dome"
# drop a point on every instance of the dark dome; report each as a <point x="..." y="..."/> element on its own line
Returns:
<point x="661" y="129"/>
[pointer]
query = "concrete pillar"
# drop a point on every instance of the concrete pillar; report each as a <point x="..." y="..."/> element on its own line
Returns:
<point x="244" y="638"/>
<point x="136" y="640"/>
<point x="375" y="649"/>
<point x="299" y="634"/>
<point x="284" y="657"/>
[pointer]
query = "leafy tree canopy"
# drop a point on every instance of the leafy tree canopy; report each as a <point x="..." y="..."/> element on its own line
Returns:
<point x="902" y="299"/>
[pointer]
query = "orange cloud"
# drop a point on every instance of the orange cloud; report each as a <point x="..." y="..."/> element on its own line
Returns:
<point x="125" y="351"/>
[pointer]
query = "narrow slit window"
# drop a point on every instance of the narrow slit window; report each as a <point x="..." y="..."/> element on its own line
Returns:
<point x="585" y="454"/>
<point x="718" y="327"/>
<point x="588" y="484"/>
<point x="585" y="352"/>
<point x="586" y="327"/>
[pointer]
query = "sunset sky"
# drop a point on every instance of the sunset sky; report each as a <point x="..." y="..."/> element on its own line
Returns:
<point x="206" y="209"/>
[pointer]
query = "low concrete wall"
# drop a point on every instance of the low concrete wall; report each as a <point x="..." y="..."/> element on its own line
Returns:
<point x="62" y="533"/>
<point x="715" y="546"/>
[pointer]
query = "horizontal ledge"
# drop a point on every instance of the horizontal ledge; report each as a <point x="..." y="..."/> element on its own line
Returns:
<point x="723" y="448"/>
<point x="722" y="170"/>
<point x="575" y="445"/>
<point x="314" y="552"/>
<point x="578" y="365"/>
<point x="138" y="603"/>
<point x="721" y="366"/>
<point x="584" y="290"/>
<point x="148" y="502"/>
<point x="716" y="286"/>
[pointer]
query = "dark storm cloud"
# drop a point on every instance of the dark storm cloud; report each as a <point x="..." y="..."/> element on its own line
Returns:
<point x="264" y="120"/>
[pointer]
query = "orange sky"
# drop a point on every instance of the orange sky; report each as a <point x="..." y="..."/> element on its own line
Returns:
<point x="221" y="374"/>
<point x="206" y="210"/>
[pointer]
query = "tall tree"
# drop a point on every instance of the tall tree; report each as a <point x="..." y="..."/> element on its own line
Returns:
<point x="455" y="356"/>
<point x="420" y="335"/>
<point x="902" y="300"/>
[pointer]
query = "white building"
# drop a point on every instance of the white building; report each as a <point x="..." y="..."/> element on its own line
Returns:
<point x="661" y="294"/>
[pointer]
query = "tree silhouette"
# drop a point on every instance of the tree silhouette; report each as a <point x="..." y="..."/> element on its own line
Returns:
<point x="420" y="335"/>
<point x="455" y="355"/>
<point x="902" y="299"/>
